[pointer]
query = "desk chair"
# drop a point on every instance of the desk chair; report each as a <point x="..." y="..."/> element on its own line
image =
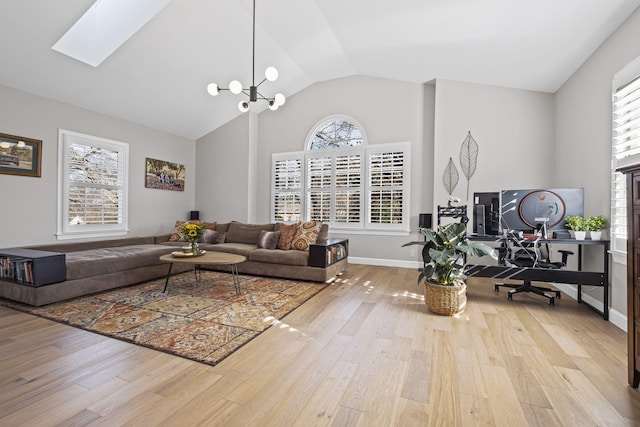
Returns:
<point x="533" y="255"/>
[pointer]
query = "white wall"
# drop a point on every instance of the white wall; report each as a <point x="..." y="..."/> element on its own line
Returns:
<point x="583" y="134"/>
<point x="28" y="205"/>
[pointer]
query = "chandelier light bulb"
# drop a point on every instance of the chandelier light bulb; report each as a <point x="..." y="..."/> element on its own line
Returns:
<point x="271" y="74"/>
<point x="5" y="144"/>
<point x="243" y="106"/>
<point x="213" y="89"/>
<point x="235" y="87"/>
<point x="279" y="99"/>
<point x="273" y="106"/>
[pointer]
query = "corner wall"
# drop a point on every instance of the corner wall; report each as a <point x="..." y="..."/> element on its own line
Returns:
<point x="584" y="132"/>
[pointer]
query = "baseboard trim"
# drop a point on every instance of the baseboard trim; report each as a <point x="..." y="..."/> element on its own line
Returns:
<point x="615" y="317"/>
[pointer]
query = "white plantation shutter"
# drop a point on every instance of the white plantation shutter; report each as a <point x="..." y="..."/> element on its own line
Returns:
<point x="626" y="143"/>
<point x="388" y="184"/>
<point x="93" y="186"/>
<point x="319" y="188"/>
<point x="287" y="187"/>
<point x="348" y="189"/>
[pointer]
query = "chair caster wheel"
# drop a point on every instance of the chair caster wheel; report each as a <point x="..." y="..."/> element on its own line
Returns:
<point x="558" y="295"/>
<point x="509" y="296"/>
<point x="552" y="301"/>
<point x="496" y="288"/>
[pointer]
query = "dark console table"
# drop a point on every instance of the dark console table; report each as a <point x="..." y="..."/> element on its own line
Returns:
<point x="572" y="277"/>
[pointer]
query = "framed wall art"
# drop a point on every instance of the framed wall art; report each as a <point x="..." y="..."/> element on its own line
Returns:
<point x="164" y="175"/>
<point x="20" y="155"/>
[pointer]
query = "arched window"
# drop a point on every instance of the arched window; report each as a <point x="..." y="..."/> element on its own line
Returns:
<point x="336" y="132"/>
<point x="341" y="180"/>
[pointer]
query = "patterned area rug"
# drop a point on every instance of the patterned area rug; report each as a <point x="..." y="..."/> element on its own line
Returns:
<point x="203" y="321"/>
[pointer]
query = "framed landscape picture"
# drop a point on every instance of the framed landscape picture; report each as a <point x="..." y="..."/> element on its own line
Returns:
<point x="20" y="155"/>
<point x="164" y="175"/>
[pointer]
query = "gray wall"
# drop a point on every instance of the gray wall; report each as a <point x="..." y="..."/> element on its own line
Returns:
<point x="583" y="135"/>
<point x="28" y="207"/>
<point x="389" y="111"/>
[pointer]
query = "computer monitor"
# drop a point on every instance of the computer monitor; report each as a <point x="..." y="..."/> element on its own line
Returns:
<point x="528" y="210"/>
<point x="486" y="213"/>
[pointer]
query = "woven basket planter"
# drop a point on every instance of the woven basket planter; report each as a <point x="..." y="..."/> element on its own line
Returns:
<point x="446" y="300"/>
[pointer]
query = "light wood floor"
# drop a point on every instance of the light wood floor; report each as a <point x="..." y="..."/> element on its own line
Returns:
<point x="363" y="352"/>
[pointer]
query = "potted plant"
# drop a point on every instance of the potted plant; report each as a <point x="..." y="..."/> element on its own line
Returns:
<point x="595" y="225"/>
<point x="579" y="226"/>
<point x="446" y="253"/>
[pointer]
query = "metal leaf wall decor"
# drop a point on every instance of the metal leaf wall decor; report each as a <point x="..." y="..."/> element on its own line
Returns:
<point x="451" y="176"/>
<point x="469" y="158"/>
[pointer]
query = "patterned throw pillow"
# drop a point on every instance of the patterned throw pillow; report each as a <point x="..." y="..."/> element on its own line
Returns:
<point x="268" y="239"/>
<point x="177" y="234"/>
<point x="307" y="235"/>
<point x="287" y="233"/>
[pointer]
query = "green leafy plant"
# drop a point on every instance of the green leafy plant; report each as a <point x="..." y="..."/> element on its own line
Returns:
<point x="597" y="223"/>
<point x="576" y="223"/>
<point x="446" y="253"/>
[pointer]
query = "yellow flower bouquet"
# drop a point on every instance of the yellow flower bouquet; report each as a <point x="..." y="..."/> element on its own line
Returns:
<point x="192" y="232"/>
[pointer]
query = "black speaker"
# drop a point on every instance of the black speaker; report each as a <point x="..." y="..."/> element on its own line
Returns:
<point x="194" y="215"/>
<point x="424" y="220"/>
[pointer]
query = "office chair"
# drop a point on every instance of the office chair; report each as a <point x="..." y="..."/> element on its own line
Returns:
<point x="532" y="254"/>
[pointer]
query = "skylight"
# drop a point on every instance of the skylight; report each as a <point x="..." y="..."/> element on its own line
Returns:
<point x="105" y="27"/>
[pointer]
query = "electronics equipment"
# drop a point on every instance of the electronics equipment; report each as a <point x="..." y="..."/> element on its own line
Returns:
<point x="486" y="213"/>
<point x="533" y="210"/>
<point x="425" y="220"/>
<point x="194" y="215"/>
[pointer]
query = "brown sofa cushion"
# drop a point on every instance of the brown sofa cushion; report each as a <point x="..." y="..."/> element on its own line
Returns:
<point x="246" y="233"/>
<point x="278" y="256"/>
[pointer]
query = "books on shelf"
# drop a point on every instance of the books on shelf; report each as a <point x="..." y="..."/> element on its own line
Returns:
<point x="336" y="253"/>
<point x="16" y="268"/>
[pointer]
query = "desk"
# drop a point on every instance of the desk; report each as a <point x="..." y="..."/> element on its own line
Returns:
<point x="572" y="277"/>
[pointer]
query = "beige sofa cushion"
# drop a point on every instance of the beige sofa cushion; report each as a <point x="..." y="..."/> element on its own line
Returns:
<point x="278" y="256"/>
<point x="246" y="233"/>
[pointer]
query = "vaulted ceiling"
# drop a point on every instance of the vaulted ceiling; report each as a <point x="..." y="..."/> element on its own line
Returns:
<point x="158" y="77"/>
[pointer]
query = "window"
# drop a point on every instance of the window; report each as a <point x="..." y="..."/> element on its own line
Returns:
<point x="92" y="187"/>
<point x="625" y="147"/>
<point x="346" y="183"/>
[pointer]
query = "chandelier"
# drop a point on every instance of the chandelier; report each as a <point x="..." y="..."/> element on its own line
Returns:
<point x="235" y="87"/>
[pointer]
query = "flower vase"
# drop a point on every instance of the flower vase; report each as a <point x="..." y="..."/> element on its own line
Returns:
<point x="195" y="249"/>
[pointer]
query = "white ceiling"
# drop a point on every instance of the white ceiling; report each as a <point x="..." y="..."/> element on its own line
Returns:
<point x="158" y="77"/>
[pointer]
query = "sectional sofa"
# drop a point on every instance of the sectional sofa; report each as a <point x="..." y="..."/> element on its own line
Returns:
<point x="106" y="264"/>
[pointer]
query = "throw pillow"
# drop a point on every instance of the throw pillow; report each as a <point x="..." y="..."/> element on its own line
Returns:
<point x="306" y="235"/>
<point x="213" y="236"/>
<point x="268" y="239"/>
<point x="287" y="233"/>
<point x="177" y="235"/>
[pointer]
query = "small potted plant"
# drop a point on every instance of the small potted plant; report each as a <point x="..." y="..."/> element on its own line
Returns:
<point x="579" y="226"/>
<point x="446" y="253"/>
<point x="595" y="225"/>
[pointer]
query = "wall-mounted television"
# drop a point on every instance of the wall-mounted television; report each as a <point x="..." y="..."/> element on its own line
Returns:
<point x="527" y="210"/>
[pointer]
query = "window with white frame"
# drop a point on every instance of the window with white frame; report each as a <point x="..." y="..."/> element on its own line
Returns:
<point x="92" y="186"/>
<point x="341" y="181"/>
<point x="625" y="146"/>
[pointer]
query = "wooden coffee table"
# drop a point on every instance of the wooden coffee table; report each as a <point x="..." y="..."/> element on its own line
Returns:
<point x="208" y="258"/>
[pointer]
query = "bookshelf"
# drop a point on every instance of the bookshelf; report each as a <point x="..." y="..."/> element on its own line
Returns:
<point x="32" y="267"/>
<point x="323" y="254"/>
